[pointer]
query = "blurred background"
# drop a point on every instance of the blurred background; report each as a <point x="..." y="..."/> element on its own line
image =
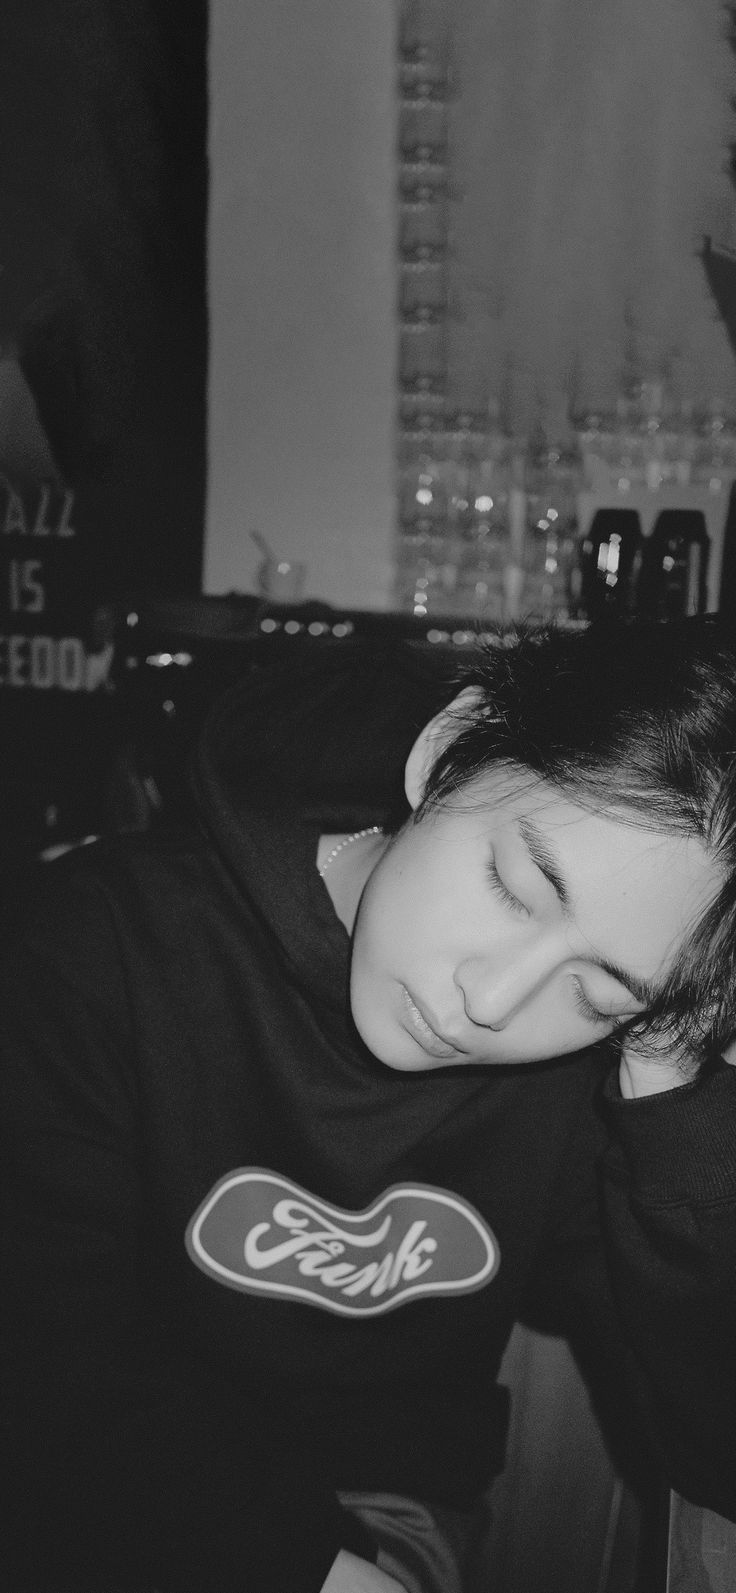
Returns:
<point x="343" y="316"/>
<point x="324" y="319"/>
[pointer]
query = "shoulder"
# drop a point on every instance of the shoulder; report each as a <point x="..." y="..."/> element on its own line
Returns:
<point x="82" y="897"/>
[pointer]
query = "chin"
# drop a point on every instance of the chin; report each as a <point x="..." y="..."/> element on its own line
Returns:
<point x="392" y="1048"/>
<point x="421" y="1064"/>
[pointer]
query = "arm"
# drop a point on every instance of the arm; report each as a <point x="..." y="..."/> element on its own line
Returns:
<point x="653" y="1071"/>
<point x="640" y="1274"/>
<point x="133" y="1454"/>
<point x="350" y="1574"/>
<point x="669" y="1205"/>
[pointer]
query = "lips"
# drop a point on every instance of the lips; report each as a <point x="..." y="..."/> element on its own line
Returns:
<point x="421" y="1031"/>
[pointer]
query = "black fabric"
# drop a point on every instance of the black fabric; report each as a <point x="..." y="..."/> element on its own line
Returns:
<point x="174" y="1009"/>
<point x="103" y="112"/>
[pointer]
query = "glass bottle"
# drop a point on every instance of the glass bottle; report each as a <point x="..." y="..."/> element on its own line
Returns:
<point x="422" y="575"/>
<point x="674" y="566"/>
<point x="485" y="545"/>
<point x="611" y="555"/>
<point x="551" y="546"/>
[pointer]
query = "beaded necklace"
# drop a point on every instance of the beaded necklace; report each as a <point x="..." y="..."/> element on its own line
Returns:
<point x="347" y="840"/>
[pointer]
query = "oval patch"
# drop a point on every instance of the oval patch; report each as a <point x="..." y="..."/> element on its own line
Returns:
<point x="262" y="1233"/>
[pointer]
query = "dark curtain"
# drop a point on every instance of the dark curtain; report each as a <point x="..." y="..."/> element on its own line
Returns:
<point x="103" y="180"/>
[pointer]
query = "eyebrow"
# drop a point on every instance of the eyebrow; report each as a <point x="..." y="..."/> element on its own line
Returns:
<point x="645" y="991"/>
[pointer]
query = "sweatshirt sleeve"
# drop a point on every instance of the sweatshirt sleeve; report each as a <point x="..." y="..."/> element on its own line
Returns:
<point x="124" y="1451"/>
<point x="669" y="1216"/>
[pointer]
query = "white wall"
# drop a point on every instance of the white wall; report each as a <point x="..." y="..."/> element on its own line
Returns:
<point x="302" y="290"/>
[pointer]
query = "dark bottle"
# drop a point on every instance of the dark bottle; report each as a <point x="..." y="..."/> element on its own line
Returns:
<point x="610" y="560"/>
<point x="674" y="566"/>
<point x="727" y="593"/>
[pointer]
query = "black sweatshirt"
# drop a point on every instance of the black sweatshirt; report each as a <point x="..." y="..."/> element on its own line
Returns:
<point x="247" y="1265"/>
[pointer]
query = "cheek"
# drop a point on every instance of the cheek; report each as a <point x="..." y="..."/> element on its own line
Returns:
<point x="374" y="937"/>
<point x="394" y="904"/>
<point x="552" y="1025"/>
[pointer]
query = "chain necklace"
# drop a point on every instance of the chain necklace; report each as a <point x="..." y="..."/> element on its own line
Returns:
<point x="357" y="835"/>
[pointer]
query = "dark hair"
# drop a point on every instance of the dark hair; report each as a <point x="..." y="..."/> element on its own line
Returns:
<point x="636" y="719"/>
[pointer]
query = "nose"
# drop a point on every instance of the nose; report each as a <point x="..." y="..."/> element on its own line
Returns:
<point x="494" y="989"/>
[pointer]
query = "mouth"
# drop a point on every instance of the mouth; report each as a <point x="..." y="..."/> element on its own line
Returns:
<point x="420" y="1030"/>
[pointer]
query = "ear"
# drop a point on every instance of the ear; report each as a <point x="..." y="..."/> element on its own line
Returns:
<point x="433" y="739"/>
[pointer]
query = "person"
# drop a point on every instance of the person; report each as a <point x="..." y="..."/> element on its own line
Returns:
<point x="415" y="1025"/>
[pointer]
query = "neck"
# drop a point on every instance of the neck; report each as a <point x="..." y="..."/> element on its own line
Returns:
<point x="346" y="863"/>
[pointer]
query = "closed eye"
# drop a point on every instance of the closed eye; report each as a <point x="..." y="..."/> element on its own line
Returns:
<point x="502" y="890"/>
<point x="593" y="1014"/>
